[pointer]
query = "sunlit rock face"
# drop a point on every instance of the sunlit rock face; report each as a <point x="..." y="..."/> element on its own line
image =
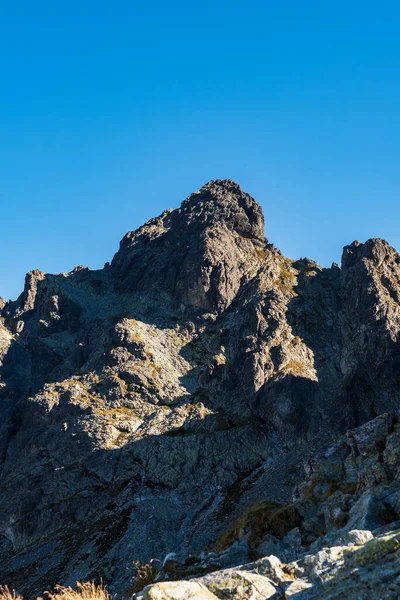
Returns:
<point x="141" y="405"/>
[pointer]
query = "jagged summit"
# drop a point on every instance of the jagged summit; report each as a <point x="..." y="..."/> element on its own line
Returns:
<point x="224" y="200"/>
<point x="375" y="249"/>
<point x="230" y="185"/>
<point x="218" y="187"/>
<point x="197" y="254"/>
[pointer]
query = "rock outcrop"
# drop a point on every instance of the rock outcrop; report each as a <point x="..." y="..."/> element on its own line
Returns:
<point x="347" y="543"/>
<point x="146" y="405"/>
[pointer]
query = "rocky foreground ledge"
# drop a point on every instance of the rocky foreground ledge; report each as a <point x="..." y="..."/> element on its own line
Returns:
<point x="168" y="402"/>
<point x="356" y="569"/>
<point x="352" y="495"/>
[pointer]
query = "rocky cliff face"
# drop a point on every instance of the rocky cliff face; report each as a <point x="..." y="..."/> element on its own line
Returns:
<point x="145" y="405"/>
<point x="346" y="543"/>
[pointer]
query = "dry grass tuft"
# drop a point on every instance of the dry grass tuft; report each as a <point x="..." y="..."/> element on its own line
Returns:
<point x="295" y="367"/>
<point x="144" y="574"/>
<point x="7" y="594"/>
<point x="84" y="591"/>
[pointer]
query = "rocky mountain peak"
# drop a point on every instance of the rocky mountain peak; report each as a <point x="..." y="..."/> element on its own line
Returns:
<point x="223" y="200"/>
<point x="198" y="254"/>
<point x="374" y="249"/>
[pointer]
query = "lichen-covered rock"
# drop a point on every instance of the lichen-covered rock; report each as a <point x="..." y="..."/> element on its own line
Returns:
<point x="240" y="585"/>
<point x="182" y="590"/>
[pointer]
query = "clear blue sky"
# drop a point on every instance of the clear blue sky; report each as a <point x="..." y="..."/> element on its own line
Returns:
<point x="113" y="111"/>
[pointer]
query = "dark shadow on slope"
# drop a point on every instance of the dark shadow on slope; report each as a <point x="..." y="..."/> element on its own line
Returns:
<point x="356" y="381"/>
<point x="75" y="501"/>
<point x="76" y="504"/>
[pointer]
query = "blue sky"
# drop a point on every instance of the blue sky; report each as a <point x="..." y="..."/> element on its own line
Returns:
<point x="111" y="112"/>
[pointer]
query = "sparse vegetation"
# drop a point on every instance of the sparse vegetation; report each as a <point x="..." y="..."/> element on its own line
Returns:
<point x="286" y="280"/>
<point x="374" y="550"/>
<point x="260" y="519"/>
<point x="7" y="594"/>
<point x="295" y="367"/>
<point x="144" y="574"/>
<point x="155" y="370"/>
<point x="84" y="591"/>
<point x="261" y="253"/>
<point x="121" y="438"/>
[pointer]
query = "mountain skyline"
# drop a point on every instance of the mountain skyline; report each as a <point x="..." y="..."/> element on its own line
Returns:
<point x="110" y="115"/>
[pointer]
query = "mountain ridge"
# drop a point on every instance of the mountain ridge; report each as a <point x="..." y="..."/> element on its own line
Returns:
<point x="149" y="402"/>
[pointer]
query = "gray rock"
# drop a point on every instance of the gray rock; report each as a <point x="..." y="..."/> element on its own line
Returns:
<point x="270" y="546"/>
<point x="236" y="554"/>
<point x="356" y="537"/>
<point x="236" y="585"/>
<point x="146" y="405"/>
<point x="171" y="590"/>
<point x="172" y="561"/>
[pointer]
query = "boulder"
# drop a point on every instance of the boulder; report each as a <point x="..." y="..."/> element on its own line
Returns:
<point x="176" y="590"/>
